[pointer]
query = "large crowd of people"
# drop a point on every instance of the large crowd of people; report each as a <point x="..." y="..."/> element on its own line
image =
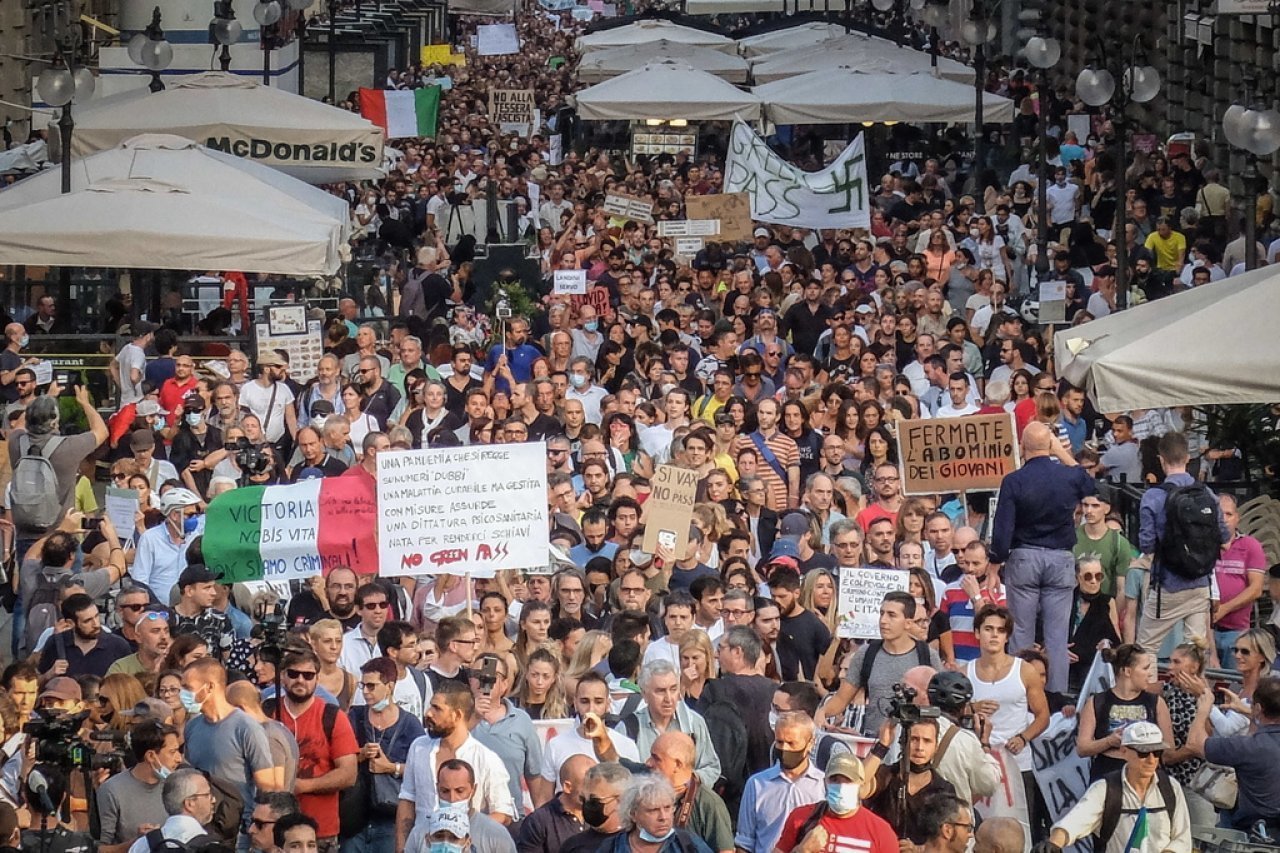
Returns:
<point x="694" y="700"/>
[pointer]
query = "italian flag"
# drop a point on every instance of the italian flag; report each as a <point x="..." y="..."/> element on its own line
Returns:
<point x="402" y="113"/>
<point x="284" y="532"/>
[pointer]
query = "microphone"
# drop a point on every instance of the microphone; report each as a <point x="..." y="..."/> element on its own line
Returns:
<point x="38" y="785"/>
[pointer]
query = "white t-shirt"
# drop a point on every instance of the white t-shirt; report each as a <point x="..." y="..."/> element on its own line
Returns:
<point x="256" y="398"/>
<point x="129" y="358"/>
<point x="569" y="743"/>
<point x="1062" y="202"/>
<point x="406" y="695"/>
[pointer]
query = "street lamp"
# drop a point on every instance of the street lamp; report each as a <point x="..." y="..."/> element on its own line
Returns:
<point x="224" y="30"/>
<point x="65" y="81"/>
<point x="268" y="14"/>
<point x="152" y="51"/>
<point x="977" y="31"/>
<point x="1043" y="53"/>
<point x="1118" y="82"/>
<point x="1255" y="129"/>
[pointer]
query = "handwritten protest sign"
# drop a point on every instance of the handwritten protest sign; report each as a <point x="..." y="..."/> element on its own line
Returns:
<point x="570" y="282"/>
<point x="733" y="210"/>
<point x="497" y="40"/>
<point x="861" y="593"/>
<point x="669" y="510"/>
<point x="834" y="197"/>
<point x="956" y="454"/>
<point x="512" y="107"/>
<point x="277" y="533"/>
<point x="628" y="207"/>
<point x="440" y="54"/>
<point x="459" y="510"/>
<point x="688" y="228"/>
<point x="688" y="247"/>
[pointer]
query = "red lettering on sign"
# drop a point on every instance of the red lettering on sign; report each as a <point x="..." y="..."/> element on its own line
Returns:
<point x="409" y="561"/>
<point x="447" y="556"/>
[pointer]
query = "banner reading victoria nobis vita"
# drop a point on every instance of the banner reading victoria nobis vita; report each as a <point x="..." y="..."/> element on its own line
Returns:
<point x="956" y="454"/>
<point x="460" y="510"/>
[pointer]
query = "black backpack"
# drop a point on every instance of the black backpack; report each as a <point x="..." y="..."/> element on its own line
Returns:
<point x="729" y="737"/>
<point x="873" y="649"/>
<point x="1113" y="803"/>
<point x="1192" y="539"/>
<point x="203" y="843"/>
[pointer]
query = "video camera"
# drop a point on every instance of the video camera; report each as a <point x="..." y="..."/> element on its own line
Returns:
<point x="58" y="742"/>
<point x="250" y="459"/>
<point x="902" y="707"/>
<point x="273" y="633"/>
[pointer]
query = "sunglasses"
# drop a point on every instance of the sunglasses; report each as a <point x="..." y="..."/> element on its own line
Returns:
<point x="1091" y="576"/>
<point x="304" y="674"/>
<point x="376" y="605"/>
<point x="1240" y="650"/>
<point x="370" y="685"/>
<point x="260" y="824"/>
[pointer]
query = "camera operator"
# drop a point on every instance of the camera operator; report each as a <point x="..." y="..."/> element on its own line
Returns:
<point x="883" y="793"/>
<point x="194" y="613"/>
<point x="962" y="758"/>
<point x="130" y="804"/>
<point x="45" y="791"/>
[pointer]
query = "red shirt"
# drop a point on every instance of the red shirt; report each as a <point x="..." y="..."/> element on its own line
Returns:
<point x="172" y="394"/>
<point x="860" y="832"/>
<point x="874" y="512"/>
<point x="317" y="755"/>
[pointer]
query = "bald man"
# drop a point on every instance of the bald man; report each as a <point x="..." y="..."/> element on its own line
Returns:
<point x="1033" y="535"/>
<point x="284" y="748"/>
<point x="999" y="835"/>
<point x="549" y="826"/>
<point x="698" y="808"/>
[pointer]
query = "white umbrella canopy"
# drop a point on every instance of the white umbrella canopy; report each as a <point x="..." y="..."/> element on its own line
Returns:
<point x="801" y="35"/>
<point x="666" y="90"/>
<point x="163" y="202"/>
<point x="855" y="50"/>
<point x="1214" y="344"/>
<point x="722" y="7"/>
<point x="302" y="137"/>
<point x="645" y="31"/>
<point x="603" y="64"/>
<point x="843" y="95"/>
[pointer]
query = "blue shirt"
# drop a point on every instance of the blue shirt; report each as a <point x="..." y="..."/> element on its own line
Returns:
<point x="1037" y="507"/>
<point x="1254" y="759"/>
<point x="581" y="554"/>
<point x="771" y="796"/>
<point x="520" y="360"/>
<point x="1077" y="431"/>
<point x="1151" y="515"/>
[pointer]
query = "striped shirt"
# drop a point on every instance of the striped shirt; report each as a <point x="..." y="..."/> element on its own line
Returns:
<point x="787" y="456"/>
<point x="960" y="613"/>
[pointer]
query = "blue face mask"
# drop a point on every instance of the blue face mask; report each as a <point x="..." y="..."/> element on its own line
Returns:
<point x="190" y="524"/>
<point x="590" y="326"/>
<point x="161" y="772"/>
<point x="193" y="418"/>
<point x="646" y="835"/>
<point x="382" y="704"/>
<point x="26" y="339"/>
<point x="188" y="700"/>
<point x="445" y="847"/>
<point x="843" y="798"/>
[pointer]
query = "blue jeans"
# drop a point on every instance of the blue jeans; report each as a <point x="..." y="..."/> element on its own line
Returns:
<point x="378" y="837"/>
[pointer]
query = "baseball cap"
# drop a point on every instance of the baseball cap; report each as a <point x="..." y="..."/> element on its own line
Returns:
<point x="864" y="308"/>
<point x="142" y="439"/>
<point x="1143" y="737"/>
<point x="846" y="764"/>
<point x="453" y="822"/>
<point x="148" y="407"/>
<point x="64" y="688"/>
<point x="197" y="573"/>
<point x="760" y="232"/>
<point x="794" y="524"/>
<point x="310" y="473"/>
<point x="784" y="548"/>
<point x="153" y="709"/>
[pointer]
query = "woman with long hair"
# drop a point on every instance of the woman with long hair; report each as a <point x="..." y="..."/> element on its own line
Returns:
<point x="168" y="689"/>
<point x="354" y="399"/>
<point x="183" y="650"/>
<point x="910" y="524"/>
<point x="713" y="521"/>
<point x="931" y="623"/>
<point x="845" y="424"/>
<point x="990" y="251"/>
<point x="795" y="425"/>
<point x="325" y="637"/>
<point x="879" y="450"/>
<point x="117" y="694"/>
<point x="818" y="596"/>
<point x="540" y="693"/>
<point x="938" y="256"/>
<point x="1134" y="696"/>
<point x="493" y="613"/>
<point x="532" y="633"/>
<point x="697" y="664"/>
<point x="620" y="432"/>
<point x="1254" y="651"/>
<point x="591" y="649"/>
<point x="1021" y="387"/>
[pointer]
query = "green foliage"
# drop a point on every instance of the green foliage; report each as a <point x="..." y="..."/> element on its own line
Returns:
<point x="1253" y="429"/>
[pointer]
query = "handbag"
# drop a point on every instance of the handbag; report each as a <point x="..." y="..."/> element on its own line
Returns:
<point x="383" y="789"/>
<point x="1216" y="784"/>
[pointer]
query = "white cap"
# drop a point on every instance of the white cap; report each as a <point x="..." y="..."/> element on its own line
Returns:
<point x="1143" y="737"/>
<point x="452" y="821"/>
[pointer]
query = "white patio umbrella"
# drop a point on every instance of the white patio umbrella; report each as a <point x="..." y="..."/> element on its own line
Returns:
<point x="645" y="31"/>
<point x="843" y="95"/>
<point x="859" y="51"/>
<point x="667" y="90"/>
<point x="1213" y="344"/>
<point x="720" y="7"/>
<point x="302" y="137"/>
<point x="163" y="202"/>
<point x="801" y="35"/>
<point x="603" y="64"/>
